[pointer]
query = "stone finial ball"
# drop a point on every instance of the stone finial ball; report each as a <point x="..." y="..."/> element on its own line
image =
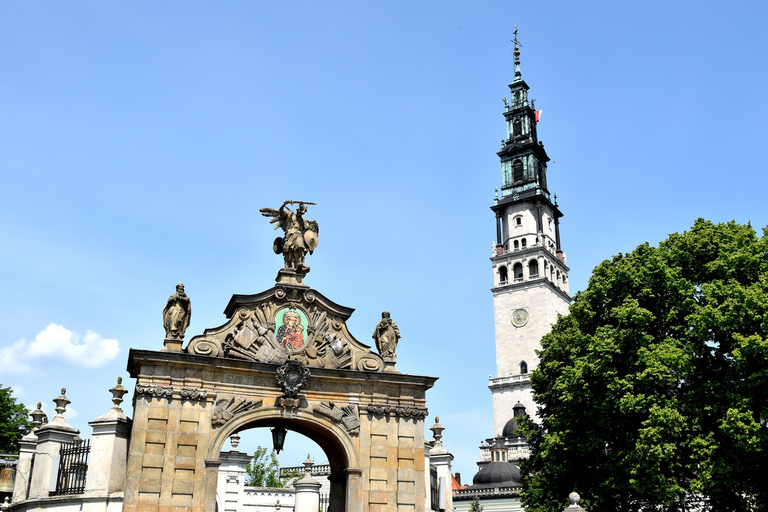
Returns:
<point x="574" y="498"/>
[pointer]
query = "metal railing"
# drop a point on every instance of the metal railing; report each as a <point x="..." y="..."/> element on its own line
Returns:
<point x="434" y="488"/>
<point x="325" y="500"/>
<point x="73" y="467"/>
<point x="8" y="460"/>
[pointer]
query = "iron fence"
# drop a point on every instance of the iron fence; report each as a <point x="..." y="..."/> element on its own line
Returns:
<point x="73" y="466"/>
<point x="8" y="460"/>
<point x="434" y="488"/>
<point x="325" y="500"/>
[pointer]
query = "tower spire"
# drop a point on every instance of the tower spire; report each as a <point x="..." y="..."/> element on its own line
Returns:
<point x="518" y="74"/>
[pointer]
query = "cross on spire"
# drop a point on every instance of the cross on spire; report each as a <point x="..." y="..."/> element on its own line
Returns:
<point x="518" y="74"/>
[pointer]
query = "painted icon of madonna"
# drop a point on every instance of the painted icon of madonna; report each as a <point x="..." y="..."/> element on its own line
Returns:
<point x="291" y="327"/>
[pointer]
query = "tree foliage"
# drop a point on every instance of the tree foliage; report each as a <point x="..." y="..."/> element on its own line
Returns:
<point x="264" y="470"/>
<point x="14" y="421"/>
<point x="474" y="505"/>
<point x="653" y="391"/>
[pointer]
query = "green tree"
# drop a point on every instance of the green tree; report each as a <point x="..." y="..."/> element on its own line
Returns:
<point x="653" y="391"/>
<point x="474" y="505"/>
<point x="264" y="469"/>
<point x="14" y="421"/>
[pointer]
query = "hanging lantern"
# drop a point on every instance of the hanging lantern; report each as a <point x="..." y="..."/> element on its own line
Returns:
<point x="278" y="438"/>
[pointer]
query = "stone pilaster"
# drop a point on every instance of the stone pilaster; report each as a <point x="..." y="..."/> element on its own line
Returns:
<point x="109" y="453"/>
<point x="441" y="459"/>
<point x="27" y="447"/>
<point x="307" y="491"/>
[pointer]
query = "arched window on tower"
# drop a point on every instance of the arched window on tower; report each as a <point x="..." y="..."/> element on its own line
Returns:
<point x="524" y="243"/>
<point x="518" y="270"/>
<point x="502" y="275"/>
<point x="523" y="367"/>
<point x="517" y="127"/>
<point x="533" y="268"/>
<point x="517" y="171"/>
<point x="517" y="245"/>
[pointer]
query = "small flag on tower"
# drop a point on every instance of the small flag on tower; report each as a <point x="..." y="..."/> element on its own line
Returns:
<point x="538" y="115"/>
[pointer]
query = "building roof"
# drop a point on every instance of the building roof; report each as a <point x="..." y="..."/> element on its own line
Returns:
<point x="497" y="474"/>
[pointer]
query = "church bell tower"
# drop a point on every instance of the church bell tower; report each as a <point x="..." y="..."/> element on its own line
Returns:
<point x="530" y="276"/>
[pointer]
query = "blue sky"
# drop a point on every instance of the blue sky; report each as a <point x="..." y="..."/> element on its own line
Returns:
<point x="139" y="139"/>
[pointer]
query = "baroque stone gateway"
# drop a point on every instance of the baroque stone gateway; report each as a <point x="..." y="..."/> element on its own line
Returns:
<point x="284" y="358"/>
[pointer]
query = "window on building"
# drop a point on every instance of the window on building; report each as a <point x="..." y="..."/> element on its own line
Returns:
<point x="517" y="245"/>
<point x="519" y="220"/>
<point x="502" y="275"/>
<point x="533" y="268"/>
<point x="507" y="169"/>
<point x="517" y="171"/>
<point x="524" y="243"/>
<point x="517" y="128"/>
<point x="518" y="270"/>
<point x="523" y="367"/>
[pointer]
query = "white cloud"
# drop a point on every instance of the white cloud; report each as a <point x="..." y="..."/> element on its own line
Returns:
<point x="58" y="342"/>
<point x="70" y="414"/>
<point x="18" y="391"/>
<point x="11" y="359"/>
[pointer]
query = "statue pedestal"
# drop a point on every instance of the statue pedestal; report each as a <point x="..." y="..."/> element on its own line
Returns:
<point x="172" y="345"/>
<point x="389" y="363"/>
<point x="291" y="276"/>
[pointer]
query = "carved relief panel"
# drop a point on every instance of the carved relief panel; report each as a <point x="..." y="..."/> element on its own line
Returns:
<point x="287" y="322"/>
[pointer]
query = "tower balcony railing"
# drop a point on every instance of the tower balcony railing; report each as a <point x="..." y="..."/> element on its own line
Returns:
<point x="535" y="245"/>
<point x="510" y="379"/>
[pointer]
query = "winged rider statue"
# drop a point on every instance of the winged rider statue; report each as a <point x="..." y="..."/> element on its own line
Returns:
<point x="300" y="234"/>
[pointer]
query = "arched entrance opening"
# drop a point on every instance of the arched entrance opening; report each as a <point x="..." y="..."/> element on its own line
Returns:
<point x="336" y="447"/>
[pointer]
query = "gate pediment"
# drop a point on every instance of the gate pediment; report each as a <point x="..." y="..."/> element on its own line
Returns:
<point x="285" y="322"/>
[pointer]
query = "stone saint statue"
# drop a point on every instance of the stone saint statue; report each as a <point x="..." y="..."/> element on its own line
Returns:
<point x="177" y="314"/>
<point x="300" y="234"/>
<point x="386" y="336"/>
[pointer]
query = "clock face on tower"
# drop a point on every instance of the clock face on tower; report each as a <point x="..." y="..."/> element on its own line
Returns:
<point x="519" y="317"/>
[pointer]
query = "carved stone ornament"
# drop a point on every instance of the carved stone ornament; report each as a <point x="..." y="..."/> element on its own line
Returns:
<point x="193" y="393"/>
<point x="346" y="415"/>
<point x="289" y="322"/>
<point x="156" y="391"/>
<point x="227" y="407"/>
<point x="402" y="411"/>
<point x="411" y="412"/>
<point x="380" y="410"/>
<point x="291" y="377"/>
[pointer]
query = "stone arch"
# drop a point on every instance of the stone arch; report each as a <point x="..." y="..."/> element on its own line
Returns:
<point x="302" y="422"/>
<point x="338" y="445"/>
